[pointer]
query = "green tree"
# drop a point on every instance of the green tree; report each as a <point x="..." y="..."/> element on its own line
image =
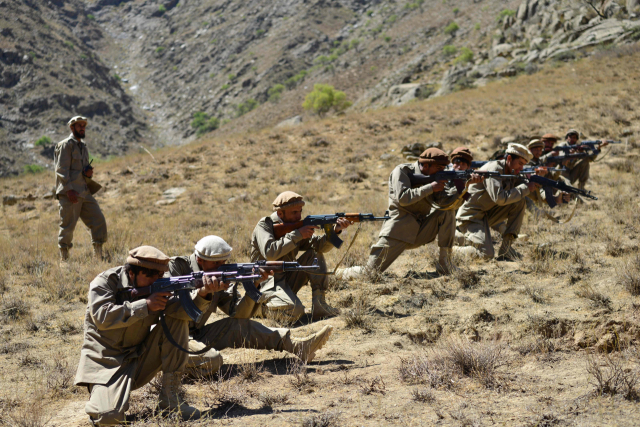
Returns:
<point x="449" y="50"/>
<point x="204" y="123"/>
<point x="466" y="55"/>
<point x="323" y="98"/>
<point x="451" y="29"/>
<point x="43" y="141"/>
<point x="275" y="92"/>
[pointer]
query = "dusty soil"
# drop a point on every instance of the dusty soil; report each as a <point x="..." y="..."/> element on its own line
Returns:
<point x="501" y="343"/>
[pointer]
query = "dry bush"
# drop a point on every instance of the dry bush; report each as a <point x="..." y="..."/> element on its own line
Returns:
<point x="374" y="385"/>
<point x="31" y="413"/>
<point x="597" y="299"/>
<point x="468" y="279"/>
<point x="548" y="327"/>
<point x="13" y="308"/>
<point x="358" y="315"/>
<point x="273" y="398"/>
<point x="538" y="345"/>
<point x="422" y="395"/>
<point x="225" y="393"/>
<point x="609" y="377"/>
<point x="299" y="374"/>
<point x="614" y="246"/>
<point x="250" y="371"/>
<point x="536" y="293"/>
<point x="59" y="379"/>
<point x="478" y="360"/>
<point x="325" y="419"/>
<point x="420" y="369"/>
<point x="541" y="258"/>
<point x="629" y="275"/>
<point x="67" y="327"/>
<point x="441" y="291"/>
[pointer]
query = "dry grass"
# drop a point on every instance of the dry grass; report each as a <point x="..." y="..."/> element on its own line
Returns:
<point x="533" y="303"/>
<point x="324" y="419"/>
<point x="598" y="299"/>
<point x="610" y="377"/>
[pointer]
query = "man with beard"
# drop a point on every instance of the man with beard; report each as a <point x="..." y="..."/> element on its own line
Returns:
<point x="75" y="189"/>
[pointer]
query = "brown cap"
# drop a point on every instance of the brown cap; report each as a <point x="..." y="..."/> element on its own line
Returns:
<point x="550" y="136"/>
<point x="573" y="132"/>
<point x="520" y="151"/>
<point x="462" y="153"/>
<point x="148" y="257"/>
<point x="434" y="156"/>
<point x="288" y="199"/>
<point x="535" y="143"/>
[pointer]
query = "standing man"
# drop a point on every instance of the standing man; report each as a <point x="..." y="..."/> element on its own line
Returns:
<point x="75" y="189"/>
<point x="492" y="202"/>
<point x="415" y="217"/>
<point x="282" y="288"/>
<point x="238" y="331"/>
<point x="121" y="351"/>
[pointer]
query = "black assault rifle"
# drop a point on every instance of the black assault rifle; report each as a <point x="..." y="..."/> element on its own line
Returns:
<point x="585" y="145"/>
<point x="181" y="286"/>
<point x="419" y="179"/>
<point x="326" y="222"/>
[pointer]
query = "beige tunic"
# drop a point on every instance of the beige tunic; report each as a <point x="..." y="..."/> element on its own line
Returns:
<point x="264" y="244"/>
<point x="70" y="158"/>
<point x="408" y="205"/>
<point x="115" y="327"/>
<point x="489" y="193"/>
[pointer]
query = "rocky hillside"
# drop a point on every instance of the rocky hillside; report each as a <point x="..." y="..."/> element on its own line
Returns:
<point x="49" y="71"/>
<point x="249" y="64"/>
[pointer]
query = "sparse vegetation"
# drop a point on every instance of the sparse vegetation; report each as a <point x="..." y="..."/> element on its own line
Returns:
<point x="451" y="29"/>
<point x="504" y="13"/>
<point x="162" y="8"/>
<point x="275" y="93"/>
<point x="33" y="169"/>
<point x="323" y="98"/>
<point x="629" y="275"/>
<point x="244" y="107"/>
<point x="466" y="55"/>
<point x="203" y="123"/>
<point x="449" y="50"/>
<point x="609" y="377"/>
<point x="43" y="141"/>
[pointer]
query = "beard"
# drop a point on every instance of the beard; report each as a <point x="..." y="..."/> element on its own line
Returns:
<point x="79" y="134"/>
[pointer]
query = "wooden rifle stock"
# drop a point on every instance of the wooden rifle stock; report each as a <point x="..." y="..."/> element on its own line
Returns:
<point x="279" y="230"/>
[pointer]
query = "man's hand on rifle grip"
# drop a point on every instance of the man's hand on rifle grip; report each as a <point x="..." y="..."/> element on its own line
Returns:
<point x="307" y="231"/>
<point x="437" y="186"/>
<point x="158" y="301"/>
<point x="475" y="179"/>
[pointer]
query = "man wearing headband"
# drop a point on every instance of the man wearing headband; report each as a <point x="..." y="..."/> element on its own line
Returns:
<point x="124" y="347"/>
<point x="415" y="219"/>
<point x="283" y="287"/>
<point x="74" y="190"/>
<point x="491" y="203"/>
<point x="237" y="331"/>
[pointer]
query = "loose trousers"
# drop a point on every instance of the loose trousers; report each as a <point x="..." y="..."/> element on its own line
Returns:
<point x="283" y="293"/>
<point x="440" y="224"/>
<point x="109" y="402"/>
<point x="232" y="333"/>
<point x="477" y="233"/>
<point x="88" y="210"/>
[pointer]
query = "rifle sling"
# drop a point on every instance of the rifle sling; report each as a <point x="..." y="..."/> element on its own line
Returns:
<point x="167" y="334"/>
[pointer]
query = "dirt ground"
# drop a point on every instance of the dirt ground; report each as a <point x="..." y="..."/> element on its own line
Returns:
<point x="549" y="340"/>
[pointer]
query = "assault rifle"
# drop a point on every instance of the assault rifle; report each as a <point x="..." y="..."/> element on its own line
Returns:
<point x="181" y="286"/>
<point x="418" y="179"/>
<point x="269" y="265"/>
<point x="585" y="145"/>
<point x="531" y="171"/>
<point x="477" y="164"/>
<point x="326" y="222"/>
<point x="572" y="156"/>
<point x="559" y="185"/>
